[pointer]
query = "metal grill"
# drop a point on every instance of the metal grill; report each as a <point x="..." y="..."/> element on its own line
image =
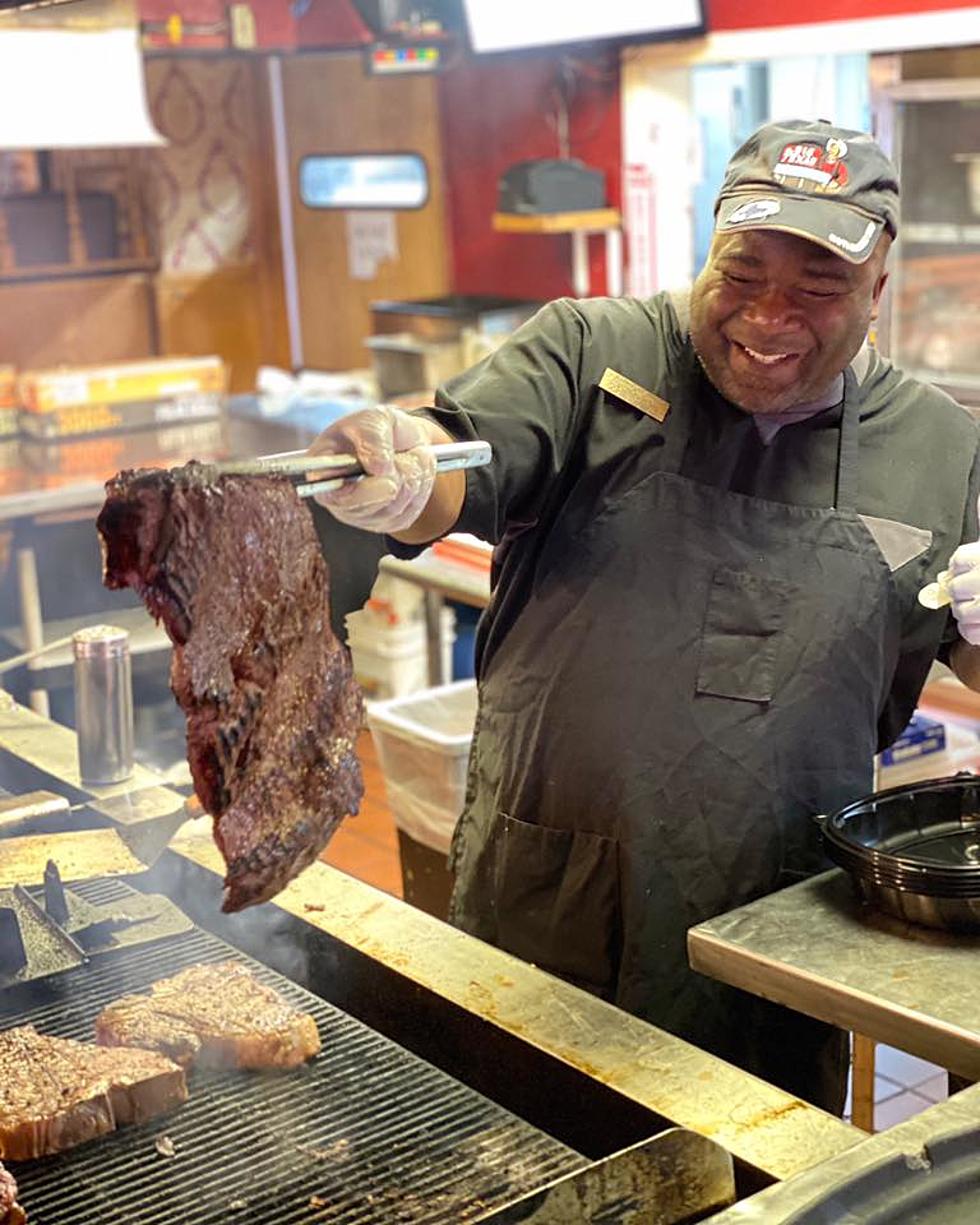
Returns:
<point x="367" y="1132"/>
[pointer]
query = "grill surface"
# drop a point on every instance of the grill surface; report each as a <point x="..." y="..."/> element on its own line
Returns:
<point x="367" y="1132"/>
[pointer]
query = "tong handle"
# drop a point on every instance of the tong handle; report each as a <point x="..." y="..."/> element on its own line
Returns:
<point x="449" y="457"/>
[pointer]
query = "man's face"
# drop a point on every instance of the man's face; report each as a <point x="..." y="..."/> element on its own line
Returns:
<point x="775" y="318"/>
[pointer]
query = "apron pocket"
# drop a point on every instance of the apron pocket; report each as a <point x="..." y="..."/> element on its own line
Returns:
<point x="557" y="901"/>
<point x="740" y="638"/>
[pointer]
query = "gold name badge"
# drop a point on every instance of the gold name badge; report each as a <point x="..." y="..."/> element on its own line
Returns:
<point x="632" y="393"/>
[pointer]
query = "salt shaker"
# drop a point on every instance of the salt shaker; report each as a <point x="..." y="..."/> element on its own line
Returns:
<point x="103" y="703"/>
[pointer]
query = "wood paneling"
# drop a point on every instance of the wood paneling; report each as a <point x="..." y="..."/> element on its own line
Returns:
<point x="941" y="62"/>
<point x="332" y="106"/>
<point x="76" y="321"/>
<point x="217" y="313"/>
<point x="213" y="203"/>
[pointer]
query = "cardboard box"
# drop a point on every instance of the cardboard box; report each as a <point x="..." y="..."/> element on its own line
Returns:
<point x="81" y="419"/>
<point x="44" y="391"/>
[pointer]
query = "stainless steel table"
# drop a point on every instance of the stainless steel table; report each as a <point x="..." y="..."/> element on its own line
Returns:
<point x="816" y="948"/>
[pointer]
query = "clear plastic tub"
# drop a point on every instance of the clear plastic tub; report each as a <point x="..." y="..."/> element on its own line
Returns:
<point x="423" y="746"/>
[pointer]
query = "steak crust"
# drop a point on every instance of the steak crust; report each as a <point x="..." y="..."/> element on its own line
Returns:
<point x="11" y="1212"/>
<point x="213" y="1014"/>
<point x="232" y="568"/>
<point x="56" y="1093"/>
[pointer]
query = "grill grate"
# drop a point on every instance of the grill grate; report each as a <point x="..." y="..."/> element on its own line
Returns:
<point x="365" y="1133"/>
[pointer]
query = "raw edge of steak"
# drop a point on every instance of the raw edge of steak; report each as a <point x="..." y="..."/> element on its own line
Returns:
<point x="232" y="568"/>
<point x="11" y="1213"/>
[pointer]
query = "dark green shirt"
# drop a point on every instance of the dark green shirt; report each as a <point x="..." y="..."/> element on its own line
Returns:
<point x="562" y="446"/>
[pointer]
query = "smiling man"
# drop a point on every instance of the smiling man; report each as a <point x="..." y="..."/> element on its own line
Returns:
<point x="712" y="520"/>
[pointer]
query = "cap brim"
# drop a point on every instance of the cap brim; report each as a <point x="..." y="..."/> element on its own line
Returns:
<point x="845" y="231"/>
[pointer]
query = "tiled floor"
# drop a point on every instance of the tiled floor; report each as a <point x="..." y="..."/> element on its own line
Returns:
<point x="366" y="846"/>
<point x="904" y="1085"/>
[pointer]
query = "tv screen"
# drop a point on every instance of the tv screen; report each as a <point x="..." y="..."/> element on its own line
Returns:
<point x="513" y="25"/>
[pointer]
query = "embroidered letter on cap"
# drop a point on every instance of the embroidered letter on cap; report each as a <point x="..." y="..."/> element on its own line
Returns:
<point x="633" y="394"/>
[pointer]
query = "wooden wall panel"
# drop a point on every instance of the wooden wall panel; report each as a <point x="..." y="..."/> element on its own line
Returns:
<point x="90" y="319"/>
<point x="212" y="206"/>
<point x="332" y="106"/>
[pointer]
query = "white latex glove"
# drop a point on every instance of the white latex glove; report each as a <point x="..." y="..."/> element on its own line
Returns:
<point x="393" y="448"/>
<point x="964" y="589"/>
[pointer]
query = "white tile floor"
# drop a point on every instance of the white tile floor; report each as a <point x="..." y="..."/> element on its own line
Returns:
<point x="904" y="1085"/>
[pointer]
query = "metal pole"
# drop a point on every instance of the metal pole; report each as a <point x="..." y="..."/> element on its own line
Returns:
<point x="290" y="276"/>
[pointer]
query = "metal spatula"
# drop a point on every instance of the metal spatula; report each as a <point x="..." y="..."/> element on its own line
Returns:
<point x="338" y="469"/>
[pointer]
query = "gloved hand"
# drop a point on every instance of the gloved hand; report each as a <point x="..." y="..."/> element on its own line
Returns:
<point x="964" y="589"/>
<point x="393" y="448"/>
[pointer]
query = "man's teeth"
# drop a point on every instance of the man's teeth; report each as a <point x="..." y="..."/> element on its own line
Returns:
<point x="767" y="359"/>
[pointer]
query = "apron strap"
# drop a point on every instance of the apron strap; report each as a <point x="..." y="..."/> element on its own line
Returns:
<point x="845" y="497"/>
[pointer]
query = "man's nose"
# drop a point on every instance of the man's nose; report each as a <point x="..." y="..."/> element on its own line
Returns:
<point x="772" y="307"/>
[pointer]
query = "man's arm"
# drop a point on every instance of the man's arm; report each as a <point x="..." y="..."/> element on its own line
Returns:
<point x="964" y="659"/>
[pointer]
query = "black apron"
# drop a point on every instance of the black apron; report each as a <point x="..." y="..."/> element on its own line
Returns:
<point x="695" y="675"/>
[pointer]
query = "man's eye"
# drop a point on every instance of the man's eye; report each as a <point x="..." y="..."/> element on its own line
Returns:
<point x="737" y="279"/>
<point x="821" y="293"/>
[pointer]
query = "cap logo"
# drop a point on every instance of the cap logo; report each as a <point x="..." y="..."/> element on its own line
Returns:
<point x="754" y="210"/>
<point x="854" y="247"/>
<point x="815" y="167"/>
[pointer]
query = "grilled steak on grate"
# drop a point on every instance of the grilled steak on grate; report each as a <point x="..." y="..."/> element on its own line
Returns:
<point x="232" y="567"/>
<point x="11" y="1212"/>
<point x="56" y="1093"/>
<point x="216" y="1014"/>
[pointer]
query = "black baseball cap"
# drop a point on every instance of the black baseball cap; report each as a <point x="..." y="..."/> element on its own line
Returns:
<point x="807" y="177"/>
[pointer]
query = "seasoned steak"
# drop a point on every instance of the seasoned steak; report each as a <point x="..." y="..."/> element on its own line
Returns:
<point x="232" y="568"/>
<point x="217" y="1014"/>
<point x="56" y="1093"/>
<point x="11" y="1212"/>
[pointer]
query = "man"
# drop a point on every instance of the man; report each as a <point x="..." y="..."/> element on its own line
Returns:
<point x="711" y="536"/>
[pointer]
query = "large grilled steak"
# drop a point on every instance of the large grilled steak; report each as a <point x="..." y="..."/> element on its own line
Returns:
<point x="11" y="1212"/>
<point x="56" y="1093"/>
<point x="218" y="1014"/>
<point x="233" y="569"/>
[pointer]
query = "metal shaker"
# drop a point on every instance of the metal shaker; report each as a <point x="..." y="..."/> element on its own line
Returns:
<point x="103" y="703"/>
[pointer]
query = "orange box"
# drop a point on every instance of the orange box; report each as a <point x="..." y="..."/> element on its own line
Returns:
<point x="8" y="387"/>
<point x="43" y="391"/>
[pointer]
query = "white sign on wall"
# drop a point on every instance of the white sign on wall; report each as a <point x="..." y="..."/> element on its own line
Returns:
<point x="372" y="237"/>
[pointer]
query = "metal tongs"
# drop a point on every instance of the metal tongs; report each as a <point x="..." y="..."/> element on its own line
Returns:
<point x="449" y="456"/>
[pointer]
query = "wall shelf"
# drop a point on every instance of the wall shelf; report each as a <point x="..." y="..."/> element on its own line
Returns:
<point x="579" y="225"/>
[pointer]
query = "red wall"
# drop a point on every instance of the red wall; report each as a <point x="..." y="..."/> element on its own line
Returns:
<point x="737" y="15"/>
<point x="495" y="113"/>
<point x="326" y="23"/>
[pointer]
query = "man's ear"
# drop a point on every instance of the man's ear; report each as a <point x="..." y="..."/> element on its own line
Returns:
<point x="876" y="293"/>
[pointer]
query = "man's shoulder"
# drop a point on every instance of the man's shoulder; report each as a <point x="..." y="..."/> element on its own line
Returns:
<point x="916" y="405"/>
<point x="660" y="311"/>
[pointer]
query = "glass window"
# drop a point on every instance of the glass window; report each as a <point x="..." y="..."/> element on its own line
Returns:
<point x="934" y="323"/>
<point x="363" y="180"/>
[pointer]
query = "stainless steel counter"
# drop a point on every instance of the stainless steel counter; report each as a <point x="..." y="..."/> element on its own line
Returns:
<point x="38" y="477"/>
<point x="816" y="948"/>
<point x="584" y="1036"/>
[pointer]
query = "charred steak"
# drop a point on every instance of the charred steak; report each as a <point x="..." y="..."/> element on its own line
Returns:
<point x="217" y="1014"/>
<point x="11" y="1212"/>
<point x="56" y="1093"/>
<point x="233" y="569"/>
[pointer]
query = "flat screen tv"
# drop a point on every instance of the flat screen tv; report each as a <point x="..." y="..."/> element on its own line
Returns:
<point x="516" y="25"/>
